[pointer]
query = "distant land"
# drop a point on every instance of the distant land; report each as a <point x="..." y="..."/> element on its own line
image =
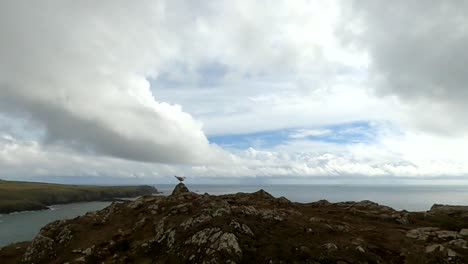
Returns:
<point x="16" y="196"/>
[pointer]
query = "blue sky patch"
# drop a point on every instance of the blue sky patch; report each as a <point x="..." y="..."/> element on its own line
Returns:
<point x="345" y="133"/>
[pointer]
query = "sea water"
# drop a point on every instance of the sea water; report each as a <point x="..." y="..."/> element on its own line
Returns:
<point x="25" y="225"/>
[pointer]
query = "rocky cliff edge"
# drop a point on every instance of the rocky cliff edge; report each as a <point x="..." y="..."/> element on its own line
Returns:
<point x="186" y="227"/>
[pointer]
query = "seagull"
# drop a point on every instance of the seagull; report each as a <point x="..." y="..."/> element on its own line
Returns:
<point x="181" y="179"/>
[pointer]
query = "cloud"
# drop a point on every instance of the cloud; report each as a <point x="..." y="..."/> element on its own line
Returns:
<point x="417" y="53"/>
<point x="79" y="74"/>
<point x="124" y="89"/>
<point x="304" y="133"/>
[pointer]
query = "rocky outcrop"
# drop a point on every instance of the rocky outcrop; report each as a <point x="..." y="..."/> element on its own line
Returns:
<point x="180" y="189"/>
<point x="449" y="209"/>
<point x="186" y="227"/>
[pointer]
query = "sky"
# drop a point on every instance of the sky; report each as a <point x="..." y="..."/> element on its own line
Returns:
<point x="234" y="91"/>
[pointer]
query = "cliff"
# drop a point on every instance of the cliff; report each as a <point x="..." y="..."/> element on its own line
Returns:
<point x="25" y="196"/>
<point x="248" y="228"/>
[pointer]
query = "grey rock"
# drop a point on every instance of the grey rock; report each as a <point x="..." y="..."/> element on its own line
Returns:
<point x="434" y="247"/>
<point x="445" y="234"/>
<point x="180" y="189"/>
<point x="448" y="209"/>
<point x="40" y="249"/>
<point x="360" y="249"/>
<point x="461" y="243"/>
<point x="422" y="233"/>
<point x="330" y="246"/>
<point x="464" y="232"/>
<point x="451" y="253"/>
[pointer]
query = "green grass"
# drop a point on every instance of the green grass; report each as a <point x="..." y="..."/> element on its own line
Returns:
<point x="35" y="195"/>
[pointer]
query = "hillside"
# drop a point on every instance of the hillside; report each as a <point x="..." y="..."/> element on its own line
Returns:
<point x="186" y="227"/>
<point x="21" y="196"/>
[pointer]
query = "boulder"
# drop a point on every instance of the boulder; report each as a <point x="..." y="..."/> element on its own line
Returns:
<point x="180" y="189"/>
<point x="464" y="232"/>
<point x="448" y="209"/>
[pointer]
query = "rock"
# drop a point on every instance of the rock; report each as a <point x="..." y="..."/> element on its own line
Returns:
<point x="322" y="202"/>
<point x="88" y="251"/>
<point x="180" y="189"/>
<point x="263" y="194"/>
<point x="196" y="221"/>
<point x="317" y="220"/>
<point x="41" y="249"/>
<point x="203" y="236"/>
<point x="222" y="211"/>
<point x="227" y="242"/>
<point x="401" y="218"/>
<point x="215" y="240"/>
<point x="170" y="238"/>
<point x="448" y="209"/>
<point x="330" y="246"/>
<point x="432" y="248"/>
<point x="283" y="201"/>
<point x="464" y="232"/>
<point x="461" y="243"/>
<point x="451" y="253"/>
<point x="360" y="249"/>
<point x="305" y="250"/>
<point x="445" y="234"/>
<point x="80" y="259"/>
<point x="242" y="227"/>
<point x="245" y="228"/>
<point x="422" y="233"/>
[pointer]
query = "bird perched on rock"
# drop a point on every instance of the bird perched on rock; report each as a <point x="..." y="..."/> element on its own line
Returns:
<point x="181" y="179"/>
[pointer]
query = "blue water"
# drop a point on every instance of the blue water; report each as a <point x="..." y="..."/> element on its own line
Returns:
<point x="25" y="225"/>
<point x="411" y="198"/>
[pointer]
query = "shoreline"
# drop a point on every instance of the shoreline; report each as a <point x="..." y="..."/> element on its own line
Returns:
<point x="254" y="227"/>
<point x="34" y="196"/>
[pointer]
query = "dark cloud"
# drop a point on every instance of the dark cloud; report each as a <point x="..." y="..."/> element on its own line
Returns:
<point x="418" y="52"/>
<point x="79" y="75"/>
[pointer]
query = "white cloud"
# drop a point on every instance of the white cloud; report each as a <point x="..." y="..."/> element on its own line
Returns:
<point x="110" y="88"/>
<point x="417" y="53"/>
<point x="304" y="133"/>
<point x="79" y="73"/>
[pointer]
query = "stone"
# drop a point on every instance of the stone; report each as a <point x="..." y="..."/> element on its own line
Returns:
<point x="330" y="246"/>
<point x="448" y="209"/>
<point x="459" y="243"/>
<point x="80" y="259"/>
<point x="283" y="201"/>
<point x="451" y="253"/>
<point x="40" y="249"/>
<point x="196" y="221"/>
<point x="170" y="238"/>
<point x="360" y="249"/>
<point x="422" y="233"/>
<point x="464" y="232"/>
<point x="444" y="234"/>
<point x="203" y="236"/>
<point x="222" y="211"/>
<point x="87" y="251"/>
<point x="434" y="247"/>
<point x="242" y="227"/>
<point x="180" y="189"/>
<point x="227" y="242"/>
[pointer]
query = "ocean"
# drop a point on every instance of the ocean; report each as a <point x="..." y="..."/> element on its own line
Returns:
<point x="25" y="225"/>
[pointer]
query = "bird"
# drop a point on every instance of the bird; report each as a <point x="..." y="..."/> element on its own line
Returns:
<point x="181" y="179"/>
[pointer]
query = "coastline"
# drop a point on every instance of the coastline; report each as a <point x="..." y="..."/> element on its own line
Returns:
<point x="249" y="228"/>
<point x="33" y="196"/>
